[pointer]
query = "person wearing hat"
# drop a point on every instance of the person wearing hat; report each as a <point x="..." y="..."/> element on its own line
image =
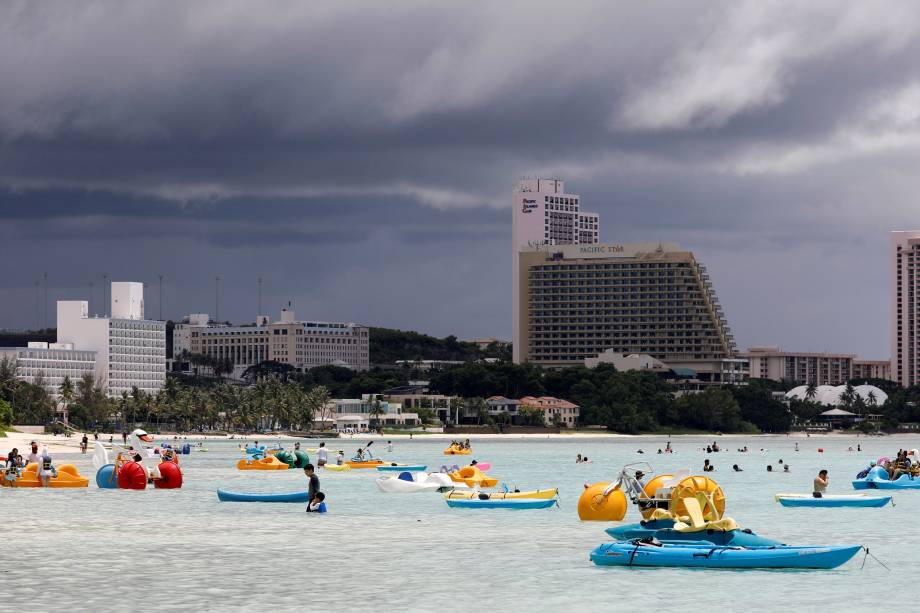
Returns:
<point x="639" y="477"/>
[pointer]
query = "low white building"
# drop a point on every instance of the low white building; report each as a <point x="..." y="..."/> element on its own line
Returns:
<point x="130" y="350"/>
<point x="50" y="363"/>
<point x="356" y="414"/>
<point x="623" y="362"/>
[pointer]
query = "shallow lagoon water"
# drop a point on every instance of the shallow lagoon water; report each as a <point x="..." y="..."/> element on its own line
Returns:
<point x="184" y="550"/>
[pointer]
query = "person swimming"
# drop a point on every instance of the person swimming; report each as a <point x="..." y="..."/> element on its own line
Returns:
<point x="736" y="468"/>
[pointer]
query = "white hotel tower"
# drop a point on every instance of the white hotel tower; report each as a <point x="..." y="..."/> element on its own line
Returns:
<point x="544" y="214"/>
<point x="130" y="350"/>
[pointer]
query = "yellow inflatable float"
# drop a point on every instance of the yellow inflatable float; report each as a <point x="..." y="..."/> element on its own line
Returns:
<point x="541" y="494"/>
<point x="457" y="450"/>
<point x="266" y="463"/>
<point x="67" y="476"/>
<point x="472" y="476"/>
<point x="601" y="503"/>
<point x="337" y="467"/>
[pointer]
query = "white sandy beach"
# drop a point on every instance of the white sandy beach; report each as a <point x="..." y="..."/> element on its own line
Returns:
<point x="62" y="445"/>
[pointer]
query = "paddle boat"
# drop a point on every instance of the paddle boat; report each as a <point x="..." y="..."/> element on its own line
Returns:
<point x="832" y="500"/>
<point x="266" y="463"/>
<point x="878" y="479"/>
<point x="455" y="449"/>
<point x="665" y="527"/>
<point x="225" y="496"/>
<point x="608" y="501"/>
<point x="472" y="476"/>
<point x="402" y="467"/>
<point x="705" y="555"/>
<point x="506" y="495"/>
<point x="294" y="459"/>
<point x="133" y="469"/>
<point x="67" y="476"/>
<point x="408" y="482"/>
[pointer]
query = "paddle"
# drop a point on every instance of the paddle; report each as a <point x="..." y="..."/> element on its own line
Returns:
<point x="367" y="448"/>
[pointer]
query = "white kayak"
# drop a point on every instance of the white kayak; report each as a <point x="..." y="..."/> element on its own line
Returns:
<point x="407" y="482"/>
<point x="832" y="500"/>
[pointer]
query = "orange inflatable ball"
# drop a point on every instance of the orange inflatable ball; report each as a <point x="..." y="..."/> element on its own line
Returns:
<point x="654" y="484"/>
<point x="593" y="505"/>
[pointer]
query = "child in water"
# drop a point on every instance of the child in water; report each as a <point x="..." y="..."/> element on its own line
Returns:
<point x="317" y="505"/>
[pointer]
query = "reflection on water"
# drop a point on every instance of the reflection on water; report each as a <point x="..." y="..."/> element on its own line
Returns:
<point x="182" y="549"/>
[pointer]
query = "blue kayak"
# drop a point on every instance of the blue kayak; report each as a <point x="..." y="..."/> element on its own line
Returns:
<point x="501" y="503"/>
<point x="225" y="496"/>
<point x="403" y="467"/>
<point x="705" y="555"/>
<point x="830" y="500"/>
<point x="662" y="530"/>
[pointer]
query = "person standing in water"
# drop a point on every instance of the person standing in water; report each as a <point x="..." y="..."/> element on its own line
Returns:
<point x="84" y="443"/>
<point x="322" y="455"/>
<point x="390" y="446"/>
<point x="820" y="484"/>
<point x="46" y="470"/>
<point x="313" y="487"/>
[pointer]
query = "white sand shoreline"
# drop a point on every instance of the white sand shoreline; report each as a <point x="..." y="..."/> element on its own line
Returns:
<point x="64" y="445"/>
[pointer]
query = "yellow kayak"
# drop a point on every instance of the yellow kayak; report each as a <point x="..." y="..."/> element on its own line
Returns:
<point x="543" y="494"/>
<point x="363" y="463"/>
<point x="337" y="467"/>
<point x="266" y="463"/>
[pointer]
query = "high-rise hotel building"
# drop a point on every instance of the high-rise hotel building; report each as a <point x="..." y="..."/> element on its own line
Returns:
<point x="544" y="214"/>
<point x="905" y="307"/>
<point x="130" y="350"/>
<point x="575" y="298"/>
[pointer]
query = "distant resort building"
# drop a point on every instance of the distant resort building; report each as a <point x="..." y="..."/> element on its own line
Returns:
<point x="835" y="395"/>
<point x="358" y="415"/>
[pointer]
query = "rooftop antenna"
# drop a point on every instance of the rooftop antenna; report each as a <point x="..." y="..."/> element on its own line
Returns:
<point x="217" y="298"/>
<point x="90" y="297"/>
<point x="259" y="312"/>
<point x="45" y="277"/>
<point x="161" y="297"/>
<point x="105" y="294"/>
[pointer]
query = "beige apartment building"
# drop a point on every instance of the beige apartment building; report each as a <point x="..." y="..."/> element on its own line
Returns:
<point x="872" y="369"/>
<point x="302" y="344"/>
<point x="804" y="368"/>
<point x="577" y="301"/>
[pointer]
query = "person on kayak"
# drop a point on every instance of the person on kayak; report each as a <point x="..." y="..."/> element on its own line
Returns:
<point x="820" y="485"/>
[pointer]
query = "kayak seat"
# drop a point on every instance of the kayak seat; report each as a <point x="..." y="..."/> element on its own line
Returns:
<point x="405" y="476"/>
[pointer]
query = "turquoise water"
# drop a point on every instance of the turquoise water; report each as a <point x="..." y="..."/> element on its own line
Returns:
<point x="184" y="550"/>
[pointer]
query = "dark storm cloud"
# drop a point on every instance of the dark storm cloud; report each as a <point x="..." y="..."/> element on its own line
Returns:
<point x="360" y="155"/>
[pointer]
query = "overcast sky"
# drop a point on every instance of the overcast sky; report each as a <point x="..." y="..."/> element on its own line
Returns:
<point x="360" y="156"/>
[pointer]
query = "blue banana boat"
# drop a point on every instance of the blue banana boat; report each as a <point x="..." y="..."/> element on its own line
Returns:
<point x="501" y="503"/>
<point x="830" y="500"/>
<point x="663" y="531"/>
<point x="877" y="479"/>
<point x="705" y="555"/>
<point x="402" y="467"/>
<point x="225" y="496"/>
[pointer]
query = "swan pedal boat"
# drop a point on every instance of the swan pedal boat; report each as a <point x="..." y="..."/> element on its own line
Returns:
<point x="225" y="496"/>
<point x="707" y="555"/>
<point x="833" y="500"/>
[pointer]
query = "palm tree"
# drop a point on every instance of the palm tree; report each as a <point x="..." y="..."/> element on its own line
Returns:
<point x="872" y="399"/>
<point x="848" y="396"/>
<point x="811" y="391"/>
<point x="374" y="411"/>
<point x="66" y="392"/>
